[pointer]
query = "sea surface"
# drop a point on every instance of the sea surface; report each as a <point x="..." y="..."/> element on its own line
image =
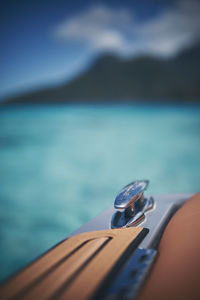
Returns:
<point x="62" y="165"/>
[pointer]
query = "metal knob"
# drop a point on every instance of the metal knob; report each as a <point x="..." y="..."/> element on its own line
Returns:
<point x="130" y="194"/>
<point x="131" y="200"/>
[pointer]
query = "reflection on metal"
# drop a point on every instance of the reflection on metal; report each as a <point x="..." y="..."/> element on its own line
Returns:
<point x="131" y="276"/>
<point x="133" y="204"/>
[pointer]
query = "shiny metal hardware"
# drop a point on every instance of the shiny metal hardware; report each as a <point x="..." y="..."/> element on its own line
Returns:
<point x="131" y="277"/>
<point x="133" y="203"/>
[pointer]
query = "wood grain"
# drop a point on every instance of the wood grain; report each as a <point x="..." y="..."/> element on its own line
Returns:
<point x="73" y="269"/>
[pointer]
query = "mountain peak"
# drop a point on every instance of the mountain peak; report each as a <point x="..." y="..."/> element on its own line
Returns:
<point x="111" y="77"/>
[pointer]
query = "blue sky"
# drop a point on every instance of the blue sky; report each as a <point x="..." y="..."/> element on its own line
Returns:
<point x="47" y="42"/>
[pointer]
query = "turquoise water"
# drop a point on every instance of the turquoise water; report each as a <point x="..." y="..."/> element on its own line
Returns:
<point x="62" y="165"/>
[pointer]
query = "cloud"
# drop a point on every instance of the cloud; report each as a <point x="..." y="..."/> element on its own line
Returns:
<point x="174" y="29"/>
<point x="101" y="28"/>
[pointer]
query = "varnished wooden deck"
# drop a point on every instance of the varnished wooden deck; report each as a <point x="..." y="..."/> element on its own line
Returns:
<point x="75" y="268"/>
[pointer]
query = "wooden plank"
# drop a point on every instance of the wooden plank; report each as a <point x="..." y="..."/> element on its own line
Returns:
<point x="65" y="271"/>
<point x="90" y="278"/>
<point x="39" y="268"/>
<point x="54" y="273"/>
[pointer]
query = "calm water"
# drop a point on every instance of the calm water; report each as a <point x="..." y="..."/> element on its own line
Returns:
<point x="62" y="165"/>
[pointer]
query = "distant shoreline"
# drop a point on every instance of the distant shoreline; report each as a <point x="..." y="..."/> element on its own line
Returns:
<point x="132" y="103"/>
<point x="175" y="79"/>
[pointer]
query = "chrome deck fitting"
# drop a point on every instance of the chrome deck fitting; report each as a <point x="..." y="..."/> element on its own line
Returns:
<point x="133" y="204"/>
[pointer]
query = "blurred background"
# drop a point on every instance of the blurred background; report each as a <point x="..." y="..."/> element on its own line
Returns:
<point x="93" y="95"/>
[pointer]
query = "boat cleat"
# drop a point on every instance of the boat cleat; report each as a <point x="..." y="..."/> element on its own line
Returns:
<point x="131" y="205"/>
